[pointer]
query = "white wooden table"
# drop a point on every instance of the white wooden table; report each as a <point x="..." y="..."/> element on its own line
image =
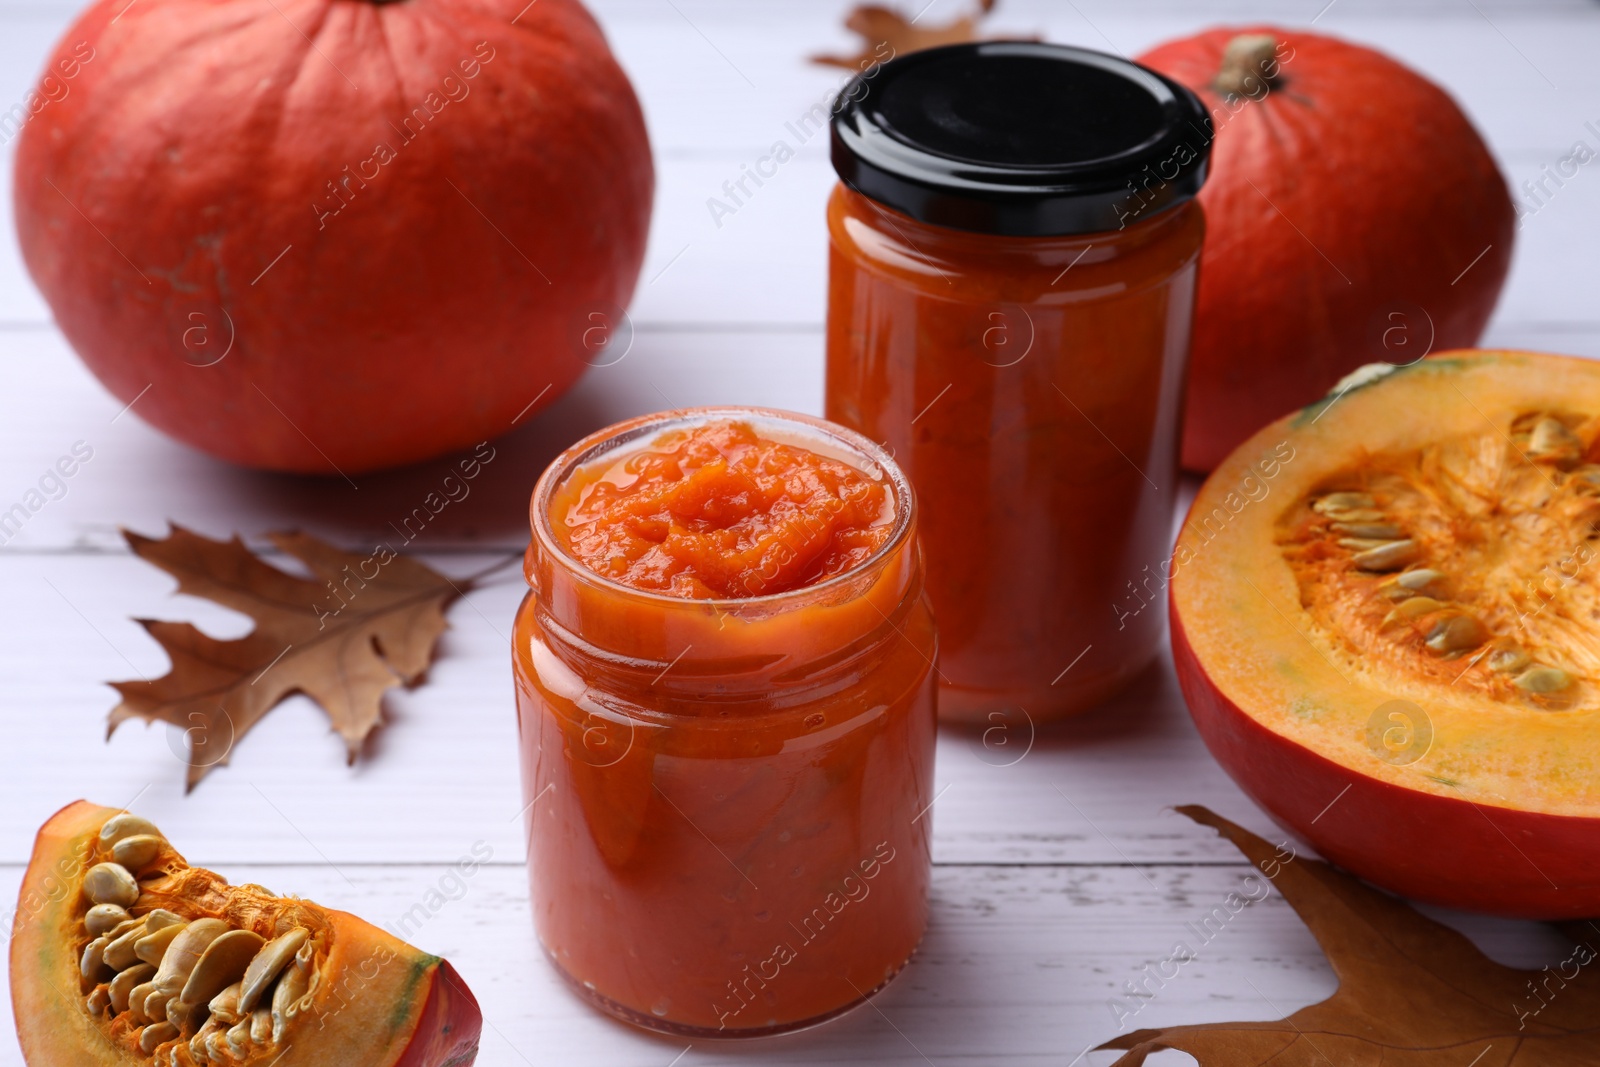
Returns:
<point x="1060" y="875"/>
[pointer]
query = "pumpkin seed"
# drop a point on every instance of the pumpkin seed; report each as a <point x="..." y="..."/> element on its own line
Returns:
<point x="160" y="918"/>
<point x="183" y="1014"/>
<point x="152" y="947"/>
<point x="239" y="1037"/>
<point x="125" y="825"/>
<point x="99" y="1001"/>
<point x="1374" y="531"/>
<point x="122" y="986"/>
<point x="1456" y="634"/>
<point x="138" y="851"/>
<point x="1358" y="515"/>
<point x="121" y="952"/>
<point x="1418" y="579"/>
<point x="1388" y="557"/>
<point x="155" y="1035"/>
<point x="1342" y="502"/>
<point x="1413" y="608"/>
<point x="92" y="964"/>
<point x="1361" y="544"/>
<point x="261" y="1025"/>
<point x="103" y="918"/>
<point x="185" y="952"/>
<point x="285" y="998"/>
<point x="110" y="883"/>
<point x="1540" y="679"/>
<point x="267" y="965"/>
<point x="225" y="1005"/>
<point x="1552" y="440"/>
<point x="200" y="1043"/>
<point x="154" y="1005"/>
<point x="1506" y="660"/>
<point x="136" y="999"/>
<point x="222" y="964"/>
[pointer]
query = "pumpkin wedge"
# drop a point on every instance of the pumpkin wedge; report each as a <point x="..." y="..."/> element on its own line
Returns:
<point x="1386" y="622"/>
<point x="122" y="953"/>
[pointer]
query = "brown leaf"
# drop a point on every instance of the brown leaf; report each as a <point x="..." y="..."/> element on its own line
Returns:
<point x="886" y="33"/>
<point x="1412" y="992"/>
<point x="366" y="624"/>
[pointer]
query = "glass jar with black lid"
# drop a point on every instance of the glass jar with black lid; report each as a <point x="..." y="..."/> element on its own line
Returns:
<point x="1014" y="252"/>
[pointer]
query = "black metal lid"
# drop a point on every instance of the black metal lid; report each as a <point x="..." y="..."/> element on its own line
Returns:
<point x="1021" y="139"/>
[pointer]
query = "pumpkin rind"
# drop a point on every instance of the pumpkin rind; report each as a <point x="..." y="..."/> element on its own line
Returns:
<point x="210" y="217"/>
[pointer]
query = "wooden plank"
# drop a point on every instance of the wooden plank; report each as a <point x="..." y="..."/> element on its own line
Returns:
<point x="1020" y="966"/>
<point x="1095" y="790"/>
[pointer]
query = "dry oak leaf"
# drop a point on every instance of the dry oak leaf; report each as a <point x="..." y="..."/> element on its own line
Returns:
<point x="366" y="624"/>
<point x="1412" y="992"/>
<point x="882" y="28"/>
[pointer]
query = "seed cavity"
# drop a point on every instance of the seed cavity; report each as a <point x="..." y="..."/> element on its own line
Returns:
<point x="203" y="987"/>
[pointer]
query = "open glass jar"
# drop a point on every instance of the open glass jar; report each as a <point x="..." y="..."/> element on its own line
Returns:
<point x="727" y="818"/>
<point x="1014" y="253"/>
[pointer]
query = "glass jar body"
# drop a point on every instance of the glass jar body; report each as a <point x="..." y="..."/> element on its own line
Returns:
<point x="727" y="829"/>
<point x="1032" y="390"/>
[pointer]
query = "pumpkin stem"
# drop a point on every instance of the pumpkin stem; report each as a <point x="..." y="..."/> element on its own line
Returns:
<point x="1249" y="65"/>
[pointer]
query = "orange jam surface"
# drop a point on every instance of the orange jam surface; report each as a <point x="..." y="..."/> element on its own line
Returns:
<point x="721" y="512"/>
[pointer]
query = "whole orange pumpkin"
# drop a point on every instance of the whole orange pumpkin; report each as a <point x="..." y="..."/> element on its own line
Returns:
<point x="334" y="235"/>
<point x="1353" y="214"/>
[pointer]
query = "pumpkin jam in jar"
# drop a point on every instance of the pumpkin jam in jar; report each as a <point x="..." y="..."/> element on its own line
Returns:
<point x="1014" y="248"/>
<point x="725" y="693"/>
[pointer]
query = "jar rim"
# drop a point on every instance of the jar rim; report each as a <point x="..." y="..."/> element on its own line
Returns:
<point x="804" y="430"/>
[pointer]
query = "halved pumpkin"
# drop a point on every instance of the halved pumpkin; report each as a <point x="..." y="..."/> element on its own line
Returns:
<point x="1386" y="622"/>
<point x="122" y="953"/>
